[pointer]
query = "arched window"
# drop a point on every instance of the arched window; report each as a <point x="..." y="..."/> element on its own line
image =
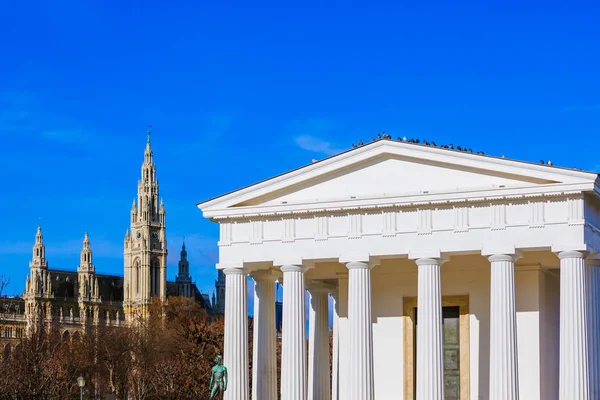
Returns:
<point x="6" y="352"/>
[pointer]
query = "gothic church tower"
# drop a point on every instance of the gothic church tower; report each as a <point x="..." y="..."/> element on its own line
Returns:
<point x="183" y="278"/>
<point x="145" y="275"/>
<point x="38" y="287"/>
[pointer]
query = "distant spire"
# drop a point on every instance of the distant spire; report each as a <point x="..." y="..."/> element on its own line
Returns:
<point x="38" y="235"/>
<point x="148" y="151"/>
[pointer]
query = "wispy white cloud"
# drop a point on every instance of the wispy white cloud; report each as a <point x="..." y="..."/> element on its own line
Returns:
<point x="317" y="145"/>
<point x="309" y="134"/>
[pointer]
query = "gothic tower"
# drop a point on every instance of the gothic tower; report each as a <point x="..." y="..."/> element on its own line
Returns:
<point x="145" y="275"/>
<point x="220" y="288"/>
<point x="183" y="279"/>
<point x="38" y="286"/>
<point x="88" y="291"/>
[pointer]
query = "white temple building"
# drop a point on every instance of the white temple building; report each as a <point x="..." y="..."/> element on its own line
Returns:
<point x="453" y="275"/>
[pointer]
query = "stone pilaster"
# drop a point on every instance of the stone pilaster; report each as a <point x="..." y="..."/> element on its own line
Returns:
<point x="504" y="372"/>
<point x="430" y="360"/>
<point x="293" y="346"/>
<point x="264" y="377"/>
<point x="235" y="355"/>
<point x="361" y="331"/>
<point x="573" y="371"/>
<point x="335" y="354"/>
<point x="593" y="299"/>
<point x="319" y="384"/>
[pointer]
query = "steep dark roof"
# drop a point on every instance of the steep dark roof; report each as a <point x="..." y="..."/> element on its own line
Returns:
<point x="65" y="282"/>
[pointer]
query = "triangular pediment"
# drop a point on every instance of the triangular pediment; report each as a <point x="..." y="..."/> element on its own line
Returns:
<point x="388" y="169"/>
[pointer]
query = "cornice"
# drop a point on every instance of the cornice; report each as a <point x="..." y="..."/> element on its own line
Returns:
<point x="425" y="200"/>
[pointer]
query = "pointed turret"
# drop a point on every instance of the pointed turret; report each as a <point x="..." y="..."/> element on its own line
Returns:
<point x="85" y="262"/>
<point x="39" y="251"/>
<point x="86" y="274"/>
<point x="134" y="212"/>
<point x="148" y="151"/>
<point x="183" y="278"/>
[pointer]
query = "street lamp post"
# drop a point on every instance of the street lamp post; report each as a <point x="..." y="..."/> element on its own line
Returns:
<point x="81" y="384"/>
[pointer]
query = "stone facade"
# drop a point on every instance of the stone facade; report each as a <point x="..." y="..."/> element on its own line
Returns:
<point x="76" y="298"/>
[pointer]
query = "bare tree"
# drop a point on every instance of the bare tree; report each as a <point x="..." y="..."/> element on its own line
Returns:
<point x="4" y="282"/>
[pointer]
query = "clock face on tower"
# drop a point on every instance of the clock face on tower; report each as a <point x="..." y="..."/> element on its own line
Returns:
<point x="154" y="235"/>
<point x="138" y="235"/>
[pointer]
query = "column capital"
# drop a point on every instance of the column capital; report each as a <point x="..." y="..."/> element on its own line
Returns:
<point x="234" y="271"/>
<point x="415" y="254"/>
<point x="265" y="275"/>
<point x="503" y="257"/>
<point x="431" y="260"/>
<point x="359" y="265"/>
<point x="293" y="268"/>
<point x="571" y="254"/>
<point x="499" y="249"/>
<point x="365" y="258"/>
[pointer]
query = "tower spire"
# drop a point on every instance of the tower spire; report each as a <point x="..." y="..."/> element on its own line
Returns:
<point x="148" y="151"/>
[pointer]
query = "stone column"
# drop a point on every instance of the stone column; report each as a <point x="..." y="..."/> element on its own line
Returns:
<point x="335" y="362"/>
<point x="293" y="346"/>
<point x="430" y="360"/>
<point x="593" y="299"/>
<point x="504" y="372"/>
<point x="264" y="377"/>
<point x="361" y="331"/>
<point x="319" y="384"/>
<point x="573" y="371"/>
<point x="235" y="356"/>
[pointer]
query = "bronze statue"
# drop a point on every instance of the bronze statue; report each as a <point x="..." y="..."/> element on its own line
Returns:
<point x="218" y="378"/>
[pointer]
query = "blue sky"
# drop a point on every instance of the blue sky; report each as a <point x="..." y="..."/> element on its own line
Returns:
<point x="239" y="92"/>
